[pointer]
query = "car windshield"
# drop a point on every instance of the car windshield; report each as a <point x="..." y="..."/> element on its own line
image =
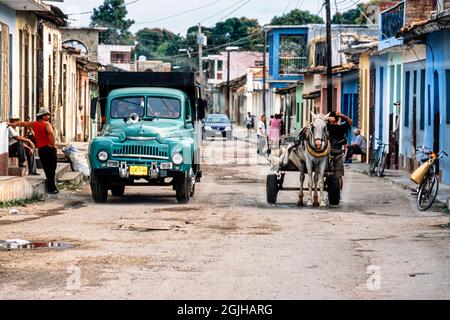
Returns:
<point x="125" y="107"/>
<point x="217" y="119"/>
<point x="160" y="107"/>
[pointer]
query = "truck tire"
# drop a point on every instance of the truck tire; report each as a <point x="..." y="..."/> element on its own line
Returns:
<point x="185" y="187"/>
<point x="99" y="189"/>
<point x="118" y="191"/>
<point x="272" y="188"/>
<point x="334" y="190"/>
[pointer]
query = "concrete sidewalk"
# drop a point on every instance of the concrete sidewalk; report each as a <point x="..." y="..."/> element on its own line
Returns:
<point x="401" y="178"/>
<point x="396" y="177"/>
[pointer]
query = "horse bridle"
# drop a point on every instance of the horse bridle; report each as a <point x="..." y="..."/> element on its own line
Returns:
<point x="322" y="139"/>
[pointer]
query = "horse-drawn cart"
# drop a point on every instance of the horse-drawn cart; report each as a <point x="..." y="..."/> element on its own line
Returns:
<point x="275" y="179"/>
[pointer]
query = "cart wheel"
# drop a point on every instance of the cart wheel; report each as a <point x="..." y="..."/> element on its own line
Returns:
<point x="334" y="190"/>
<point x="272" y="188"/>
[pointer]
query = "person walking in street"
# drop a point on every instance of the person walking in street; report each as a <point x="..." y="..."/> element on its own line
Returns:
<point x="249" y="123"/>
<point x="359" y="146"/>
<point x="45" y="142"/>
<point x="22" y="148"/>
<point x="261" y="134"/>
<point x="275" y="132"/>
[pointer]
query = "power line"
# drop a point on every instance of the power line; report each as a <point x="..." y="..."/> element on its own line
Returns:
<point x="234" y="11"/>
<point x="287" y="6"/>
<point x="214" y="15"/>
<point x="181" y="13"/>
<point x="89" y="12"/>
<point x="298" y="5"/>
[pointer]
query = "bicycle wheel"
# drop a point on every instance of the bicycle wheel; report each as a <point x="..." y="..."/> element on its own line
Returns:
<point x="382" y="165"/>
<point x="373" y="163"/>
<point x="427" y="193"/>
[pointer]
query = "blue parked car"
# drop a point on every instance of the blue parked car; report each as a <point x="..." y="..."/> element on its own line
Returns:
<point x="217" y="125"/>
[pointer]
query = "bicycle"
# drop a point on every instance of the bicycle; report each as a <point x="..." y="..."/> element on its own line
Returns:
<point x="378" y="159"/>
<point x="426" y="177"/>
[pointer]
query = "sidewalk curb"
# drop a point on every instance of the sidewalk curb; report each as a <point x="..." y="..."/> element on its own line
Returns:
<point x="402" y="186"/>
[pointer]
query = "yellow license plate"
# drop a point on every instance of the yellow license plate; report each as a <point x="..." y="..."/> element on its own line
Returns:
<point x="138" y="171"/>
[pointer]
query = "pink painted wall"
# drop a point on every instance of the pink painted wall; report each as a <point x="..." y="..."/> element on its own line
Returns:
<point x="336" y="94"/>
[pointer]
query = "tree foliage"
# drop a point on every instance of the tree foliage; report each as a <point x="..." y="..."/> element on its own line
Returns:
<point x="296" y="17"/>
<point x="112" y="15"/>
<point x="352" y="16"/>
<point x="243" y="32"/>
<point x="155" y="43"/>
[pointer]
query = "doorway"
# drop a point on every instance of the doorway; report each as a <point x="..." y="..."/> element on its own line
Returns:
<point x="436" y="118"/>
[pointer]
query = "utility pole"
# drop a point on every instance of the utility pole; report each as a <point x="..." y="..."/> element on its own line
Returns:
<point x="329" y="60"/>
<point x="200" y="61"/>
<point x="264" y="71"/>
<point x="228" y="85"/>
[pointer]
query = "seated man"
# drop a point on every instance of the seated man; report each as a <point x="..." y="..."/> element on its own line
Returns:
<point x="17" y="148"/>
<point x="358" y="147"/>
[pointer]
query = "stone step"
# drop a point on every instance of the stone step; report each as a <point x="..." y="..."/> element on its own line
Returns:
<point x="71" y="177"/>
<point x="17" y="171"/>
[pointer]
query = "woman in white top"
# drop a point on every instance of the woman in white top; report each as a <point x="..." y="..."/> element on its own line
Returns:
<point x="261" y="134"/>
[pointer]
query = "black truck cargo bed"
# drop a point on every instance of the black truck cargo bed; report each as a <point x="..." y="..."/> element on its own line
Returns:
<point x="110" y="80"/>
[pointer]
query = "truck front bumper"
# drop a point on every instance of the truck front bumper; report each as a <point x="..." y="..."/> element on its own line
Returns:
<point x="125" y="170"/>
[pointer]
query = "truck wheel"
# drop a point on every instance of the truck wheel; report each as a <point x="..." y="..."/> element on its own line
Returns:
<point x="99" y="189"/>
<point x="118" y="191"/>
<point x="334" y="190"/>
<point x="272" y="188"/>
<point x="185" y="187"/>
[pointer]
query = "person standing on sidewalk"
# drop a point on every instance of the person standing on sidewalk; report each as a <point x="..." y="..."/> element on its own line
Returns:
<point x="45" y="142"/>
<point x="261" y="134"/>
<point x="22" y="148"/>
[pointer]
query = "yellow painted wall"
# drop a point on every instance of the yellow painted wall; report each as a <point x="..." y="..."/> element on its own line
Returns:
<point x="364" y="95"/>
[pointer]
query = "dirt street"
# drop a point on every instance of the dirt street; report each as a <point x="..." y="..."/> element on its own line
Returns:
<point x="228" y="243"/>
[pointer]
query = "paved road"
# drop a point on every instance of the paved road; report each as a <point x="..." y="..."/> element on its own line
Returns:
<point x="228" y="243"/>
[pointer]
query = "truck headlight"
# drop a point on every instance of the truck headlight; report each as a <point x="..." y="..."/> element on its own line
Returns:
<point x="208" y="128"/>
<point x="228" y="129"/>
<point x="177" y="159"/>
<point x="102" y="156"/>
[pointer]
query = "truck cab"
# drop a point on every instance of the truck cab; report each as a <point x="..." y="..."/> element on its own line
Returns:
<point x="148" y="134"/>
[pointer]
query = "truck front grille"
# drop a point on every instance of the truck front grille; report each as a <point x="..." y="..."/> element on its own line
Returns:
<point x="140" y="151"/>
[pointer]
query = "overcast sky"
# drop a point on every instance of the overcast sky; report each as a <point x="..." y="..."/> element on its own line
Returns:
<point x="145" y="12"/>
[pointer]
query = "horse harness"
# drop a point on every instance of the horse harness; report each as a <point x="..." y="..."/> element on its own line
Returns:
<point x="306" y="135"/>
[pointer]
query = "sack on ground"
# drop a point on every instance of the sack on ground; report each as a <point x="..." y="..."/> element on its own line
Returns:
<point x="78" y="160"/>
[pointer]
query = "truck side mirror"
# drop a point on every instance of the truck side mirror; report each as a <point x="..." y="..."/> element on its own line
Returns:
<point x="94" y="102"/>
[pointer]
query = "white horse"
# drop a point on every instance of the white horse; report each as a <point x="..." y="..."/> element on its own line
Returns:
<point x="311" y="154"/>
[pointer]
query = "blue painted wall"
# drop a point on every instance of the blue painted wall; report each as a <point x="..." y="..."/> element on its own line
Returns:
<point x="438" y="44"/>
<point x="274" y="53"/>
<point x="381" y="97"/>
<point x="349" y="99"/>
<point x="407" y="104"/>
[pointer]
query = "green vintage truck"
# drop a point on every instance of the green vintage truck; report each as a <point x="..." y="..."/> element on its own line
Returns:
<point x="148" y="133"/>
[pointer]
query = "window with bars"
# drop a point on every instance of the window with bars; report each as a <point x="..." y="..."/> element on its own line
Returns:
<point x="392" y="21"/>
<point x="292" y="54"/>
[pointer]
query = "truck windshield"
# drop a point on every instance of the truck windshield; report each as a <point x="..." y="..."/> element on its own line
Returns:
<point x="125" y="107"/>
<point x="160" y="107"/>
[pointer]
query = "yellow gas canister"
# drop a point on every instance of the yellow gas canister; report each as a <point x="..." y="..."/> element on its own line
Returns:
<point x="418" y="174"/>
